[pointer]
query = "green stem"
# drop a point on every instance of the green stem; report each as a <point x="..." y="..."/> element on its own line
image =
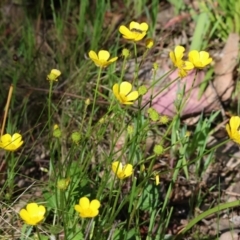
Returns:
<point x="94" y="101"/>
<point x="38" y="234"/>
<point x="49" y="104"/>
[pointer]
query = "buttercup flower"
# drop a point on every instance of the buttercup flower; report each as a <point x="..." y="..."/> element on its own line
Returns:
<point x="199" y="59"/>
<point x="33" y="214"/>
<point x="233" y="129"/>
<point x="149" y="43"/>
<point x="120" y="171"/>
<point x="53" y="75"/>
<point x="102" y="59"/>
<point x="87" y="209"/>
<point x="123" y="93"/>
<point x="183" y="66"/>
<point x="11" y="143"/>
<point x="57" y="131"/>
<point x="135" y="32"/>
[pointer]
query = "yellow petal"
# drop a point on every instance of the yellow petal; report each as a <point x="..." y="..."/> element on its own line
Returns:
<point x="204" y="56"/>
<point x="17" y="138"/>
<point x="116" y="167"/>
<point x="6" y="138"/>
<point x="125" y="88"/>
<point x="24" y="214"/>
<point x="188" y="65"/>
<point x="144" y="26"/>
<point x="193" y="56"/>
<point x="32" y="208"/>
<point x="84" y="202"/>
<point x="128" y="170"/>
<point x="95" y="204"/>
<point x="93" y="55"/>
<point x="134" y="25"/>
<point x="116" y="89"/>
<point x="113" y="60"/>
<point x="228" y="130"/>
<point x="179" y="50"/>
<point x="103" y="55"/>
<point x="132" y="96"/>
<point x="139" y="36"/>
<point x="234" y="123"/>
<point x="41" y="210"/>
<point x="78" y="208"/>
<point x="55" y="72"/>
<point x="125" y="31"/>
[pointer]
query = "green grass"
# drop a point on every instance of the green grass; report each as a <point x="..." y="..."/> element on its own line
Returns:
<point x="132" y="208"/>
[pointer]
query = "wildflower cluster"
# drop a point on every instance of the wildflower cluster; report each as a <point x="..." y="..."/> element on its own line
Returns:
<point x="124" y="92"/>
<point x="195" y="60"/>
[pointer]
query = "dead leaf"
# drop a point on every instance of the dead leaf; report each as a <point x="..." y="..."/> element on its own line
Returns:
<point x="165" y="102"/>
<point x="223" y="69"/>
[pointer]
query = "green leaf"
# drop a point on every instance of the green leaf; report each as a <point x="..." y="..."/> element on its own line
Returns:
<point x="149" y="198"/>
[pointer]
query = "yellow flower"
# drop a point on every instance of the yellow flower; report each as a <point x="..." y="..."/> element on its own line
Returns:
<point x="135" y="32"/>
<point x="33" y="214"/>
<point x="101" y="60"/>
<point x="53" y="75"/>
<point x="183" y="66"/>
<point x="123" y="93"/>
<point x="149" y="43"/>
<point x="87" y="209"/>
<point x="57" y="131"/>
<point x="120" y="171"/>
<point x="233" y="129"/>
<point x="11" y="143"/>
<point x="177" y="55"/>
<point x="199" y="59"/>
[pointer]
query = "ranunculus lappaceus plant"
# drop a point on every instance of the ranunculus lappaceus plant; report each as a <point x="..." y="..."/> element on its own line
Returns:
<point x="109" y="155"/>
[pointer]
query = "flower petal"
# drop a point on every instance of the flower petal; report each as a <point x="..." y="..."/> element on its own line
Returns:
<point x="193" y="56"/>
<point x="178" y="51"/>
<point x="24" y="215"/>
<point x="17" y="139"/>
<point x="41" y="210"/>
<point x="125" y="88"/>
<point x="103" y="55"/>
<point x="112" y="60"/>
<point x="32" y="208"/>
<point x="128" y="170"/>
<point x="144" y="26"/>
<point x="125" y="31"/>
<point x="234" y="123"/>
<point x="188" y="65"/>
<point x="93" y="55"/>
<point x="95" y="204"/>
<point x="134" y="25"/>
<point x="84" y="202"/>
<point x="116" y="167"/>
<point x="6" y="138"/>
<point x="132" y="96"/>
<point x="139" y="36"/>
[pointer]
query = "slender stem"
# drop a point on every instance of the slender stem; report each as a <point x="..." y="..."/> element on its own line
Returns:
<point x="7" y="108"/>
<point x="94" y="100"/>
<point x="38" y="232"/>
<point x="49" y="103"/>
